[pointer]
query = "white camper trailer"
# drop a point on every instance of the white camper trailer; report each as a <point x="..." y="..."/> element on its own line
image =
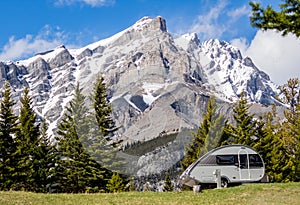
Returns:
<point x="236" y="164"/>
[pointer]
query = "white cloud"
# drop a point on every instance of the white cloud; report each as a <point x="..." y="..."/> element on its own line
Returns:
<point x="19" y="48"/>
<point x="207" y="25"/>
<point x="276" y="55"/>
<point x="218" y="20"/>
<point x="92" y="3"/>
<point x="240" y="43"/>
<point x="239" y="12"/>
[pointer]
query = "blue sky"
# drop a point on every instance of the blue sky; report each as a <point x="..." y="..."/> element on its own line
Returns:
<point x="32" y="26"/>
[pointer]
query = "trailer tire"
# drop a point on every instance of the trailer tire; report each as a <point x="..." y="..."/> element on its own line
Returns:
<point x="224" y="183"/>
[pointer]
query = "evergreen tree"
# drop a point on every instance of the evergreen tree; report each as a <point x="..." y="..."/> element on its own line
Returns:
<point x="168" y="186"/>
<point x="271" y="147"/>
<point x="101" y="147"/>
<point x="76" y="171"/>
<point x="287" y="20"/>
<point x="246" y="127"/>
<point x="116" y="183"/>
<point x="27" y="147"/>
<point x="214" y="125"/>
<point x="47" y="156"/>
<point x="8" y="127"/>
<point x="290" y="95"/>
<point x="279" y="141"/>
<point x="209" y="134"/>
<point x="103" y="110"/>
<point x="290" y="129"/>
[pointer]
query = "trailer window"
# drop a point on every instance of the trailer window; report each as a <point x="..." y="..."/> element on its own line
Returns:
<point x="243" y="160"/>
<point x="209" y="160"/>
<point x="255" y="160"/>
<point x="225" y="159"/>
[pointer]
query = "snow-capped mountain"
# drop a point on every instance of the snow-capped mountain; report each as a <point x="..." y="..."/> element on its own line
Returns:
<point x="228" y="72"/>
<point x="157" y="84"/>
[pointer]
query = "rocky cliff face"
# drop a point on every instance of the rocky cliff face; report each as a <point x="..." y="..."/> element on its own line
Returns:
<point x="156" y="83"/>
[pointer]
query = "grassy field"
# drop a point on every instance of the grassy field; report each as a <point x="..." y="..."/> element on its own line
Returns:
<point x="246" y="194"/>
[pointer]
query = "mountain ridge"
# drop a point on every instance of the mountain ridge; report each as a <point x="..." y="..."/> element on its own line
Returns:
<point x="156" y="83"/>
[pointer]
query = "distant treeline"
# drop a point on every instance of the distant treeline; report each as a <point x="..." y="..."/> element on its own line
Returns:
<point x="140" y="148"/>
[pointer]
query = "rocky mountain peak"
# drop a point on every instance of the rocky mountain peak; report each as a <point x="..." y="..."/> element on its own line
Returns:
<point x="157" y="23"/>
<point x="218" y="48"/>
<point x="61" y="58"/>
<point x="189" y="41"/>
<point x="232" y="74"/>
<point x="157" y="84"/>
<point x="192" y="37"/>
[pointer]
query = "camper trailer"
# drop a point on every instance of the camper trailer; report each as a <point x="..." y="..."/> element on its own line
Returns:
<point x="236" y="164"/>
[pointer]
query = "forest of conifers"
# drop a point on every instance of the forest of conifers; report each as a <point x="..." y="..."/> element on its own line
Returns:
<point x="81" y="159"/>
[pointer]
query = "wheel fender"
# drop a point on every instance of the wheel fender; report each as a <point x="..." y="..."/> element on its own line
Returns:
<point x="225" y="177"/>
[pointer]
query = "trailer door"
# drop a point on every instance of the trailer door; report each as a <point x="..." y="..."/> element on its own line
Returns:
<point x="244" y="165"/>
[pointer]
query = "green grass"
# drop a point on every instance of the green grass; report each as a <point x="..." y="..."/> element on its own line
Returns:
<point x="246" y="194"/>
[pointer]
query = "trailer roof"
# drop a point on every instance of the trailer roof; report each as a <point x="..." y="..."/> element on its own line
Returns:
<point x="232" y="149"/>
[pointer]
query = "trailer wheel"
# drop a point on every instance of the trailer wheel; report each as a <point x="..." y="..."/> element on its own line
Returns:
<point x="224" y="183"/>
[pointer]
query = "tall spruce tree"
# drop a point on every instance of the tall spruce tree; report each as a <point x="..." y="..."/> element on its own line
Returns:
<point x="46" y="156"/>
<point x="8" y="127"/>
<point x="289" y="129"/>
<point x="209" y="134"/>
<point x="271" y="147"/>
<point x="279" y="141"/>
<point x="102" y="148"/>
<point x="216" y="124"/>
<point x="245" y="130"/>
<point x="76" y="171"/>
<point x="26" y="140"/>
<point x="290" y="95"/>
<point x="103" y="110"/>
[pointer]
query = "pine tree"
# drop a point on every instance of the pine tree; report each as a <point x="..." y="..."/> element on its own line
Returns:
<point x="209" y="134"/>
<point x="290" y="95"/>
<point x="116" y="183"/>
<point x="271" y="148"/>
<point x="290" y="129"/>
<point x="76" y="171"/>
<point x="101" y="147"/>
<point x="281" y="164"/>
<point x="46" y="156"/>
<point x="279" y="167"/>
<point x="246" y="127"/>
<point x="8" y="127"/>
<point x="168" y="186"/>
<point x="287" y="20"/>
<point x="217" y="125"/>
<point x="103" y="110"/>
<point x="27" y="146"/>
